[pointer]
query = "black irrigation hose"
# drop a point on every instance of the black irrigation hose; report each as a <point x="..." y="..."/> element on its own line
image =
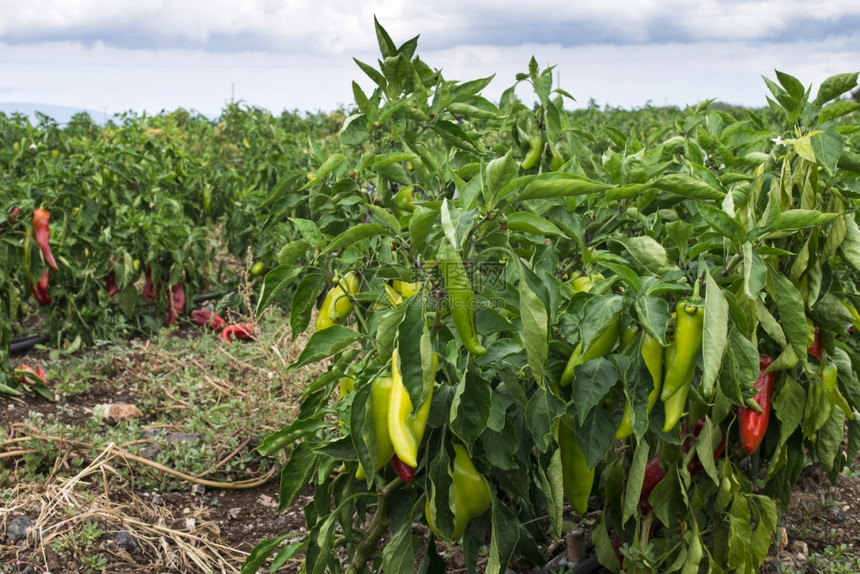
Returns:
<point x="24" y="344"/>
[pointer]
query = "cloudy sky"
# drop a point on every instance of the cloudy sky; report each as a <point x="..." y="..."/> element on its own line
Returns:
<point x="111" y="56"/>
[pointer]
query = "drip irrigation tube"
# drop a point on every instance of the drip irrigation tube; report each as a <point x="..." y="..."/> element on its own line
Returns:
<point x="26" y="343"/>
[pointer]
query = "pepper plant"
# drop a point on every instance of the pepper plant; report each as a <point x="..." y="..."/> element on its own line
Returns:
<point x="524" y="311"/>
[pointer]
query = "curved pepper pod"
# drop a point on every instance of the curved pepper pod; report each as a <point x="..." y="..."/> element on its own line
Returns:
<point x="533" y="154"/>
<point x="337" y="304"/>
<point x="471" y="494"/>
<point x="752" y="425"/>
<point x="577" y="479"/>
<point x="209" y="319"/>
<point x="405" y="428"/>
<point x="40" y="289"/>
<point x="406" y="288"/>
<point x="652" y="354"/>
<point x="42" y="235"/>
<point x="380" y="397"/>
<point x="599" y="348"/>
<point x="461" y="299"/>
<point x="684" y="349"/>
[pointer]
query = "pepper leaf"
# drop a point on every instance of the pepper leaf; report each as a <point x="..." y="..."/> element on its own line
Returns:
<point x="592" y="381"/>
<point x="324" y="344"/>
<point x="714" y="335"/>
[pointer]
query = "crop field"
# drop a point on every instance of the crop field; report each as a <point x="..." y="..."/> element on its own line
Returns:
<point x="429" y="332"/>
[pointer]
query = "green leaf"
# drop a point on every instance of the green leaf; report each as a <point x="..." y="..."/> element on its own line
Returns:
<point x="324" y="170"/>
<point x="792" y="313"/>
<point x="531" y="223"/>
<point x="592" y="381"/>
<point x="828" y="146"/>
<point x="307" y="291"/>
<point x="452" y="134"/>
<point x="535" y="320"/>
<point x="743" y="362"/>
<point x="596" y="436"/>
<point x="797" y="219"/>
<point x="714" y="335"/>
<point x="635" y="479"/>
<point x="559" y="184"/>
<point x="288" y="434"/>
<point x="398" y="556"/>
<point x="260" y="553"/>
<point x="500" y="172"/>
<point x="274" y="284"/>
<point x="325" y="343"/>
<point x="470" y="408"/>
<point x="648" y="253"/>
<point x="837" y="110"/>
<point x="310" y="231"/>
<point x="835" y="86"/>
<point x="755" y="272"/>
<point x="668" y="499"/>
<point x="353" y="235"/>
<point x="654" y="315"/>
<point x="829" y="441"/>
<point x="850" y="247"/>
<point x="720" y="221"/>
<point x="709" y="438"/>
<point x="296" y="474"/>
<point x="292" y="251"/>
<point x="284" y="555"/>
<point x="789" y="401"/>
<point x="542" y="410"/>
<point x="504" y="538"/>
<point x="688" y="186"/>
<point x="551" y="480"/>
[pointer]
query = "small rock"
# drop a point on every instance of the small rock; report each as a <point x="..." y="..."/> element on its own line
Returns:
<point x="157" y="499"/>
<point x="151" y="433"/>
<point x="126" y="540"/>
<point x="198" y="489"/>
<point x="150" y="451"/>
<point x="846" y="508"/>
<point x="117" y="413"/>
<point x="17" y="530"/>
<point x="800" y="548"/>
<point x="28" y="570"/>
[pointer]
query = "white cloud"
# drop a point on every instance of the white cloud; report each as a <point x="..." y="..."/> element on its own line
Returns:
<point x="342" y="26"/>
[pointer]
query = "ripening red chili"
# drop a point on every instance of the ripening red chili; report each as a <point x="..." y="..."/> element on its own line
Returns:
<point x="654" y="473"/>
<point x="40" y="290"/>
<point x="110" y="284"/>
<point x="42" y="235"/>
<point x="176" y="304"/>
<point x="208" y="319"/>
<point x="815" y="347"/>
<point x="752" y="425"/>
<point x="39" y="372"/>
<point x="403" y="471"/>
<point x="150" y="291"/>
<point x="237" y="331"/>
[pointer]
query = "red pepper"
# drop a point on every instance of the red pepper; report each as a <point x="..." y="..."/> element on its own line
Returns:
<point x="237" y="331"/>
<point x="42" y="234"/>
<point x="815" y="347"/>
<point x="40" y="290"/>
<point x="208" y="319"/>
<point x="177" y="302"/>
<point x="403" y="471"/>
<point x="39" y="372"/>
<point x="753" y="425"/>
<point x="654" y="473"/>
<point x="150" y="291"/>
<point x="110" y="284"/>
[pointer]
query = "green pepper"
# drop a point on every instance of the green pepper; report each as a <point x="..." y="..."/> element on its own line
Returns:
<point x="652" y="353"/>
<point x="577" y="478"/>
<point x="380" y="397"/>
<point x="337" y="304"/>
<point x="599" y="348"/>
<point x="682" y="354"/>
<point x="461" y="300"/>
<point x="471" y="494"/>
<point x="533" y="154"/>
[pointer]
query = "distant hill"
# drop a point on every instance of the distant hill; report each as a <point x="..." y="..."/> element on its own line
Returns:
<point x="60" y="114"/>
